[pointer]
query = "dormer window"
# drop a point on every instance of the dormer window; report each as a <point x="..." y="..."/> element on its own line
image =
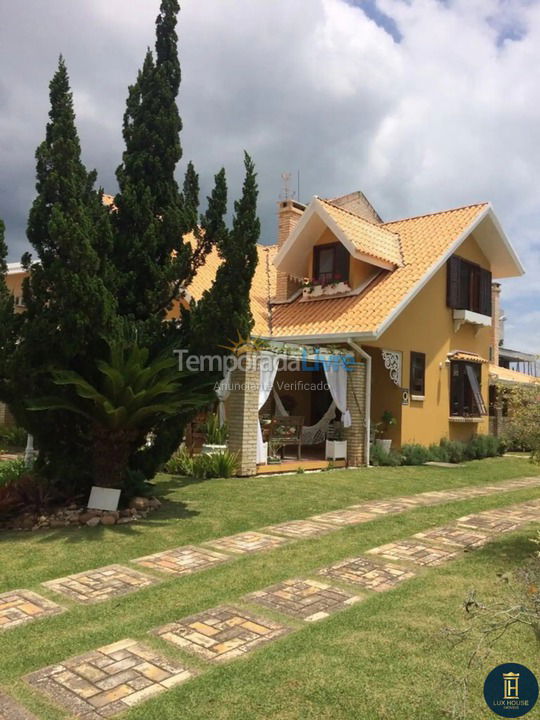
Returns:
<point x="330" y="263"/>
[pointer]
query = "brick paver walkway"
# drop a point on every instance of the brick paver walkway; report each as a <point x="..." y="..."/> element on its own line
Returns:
<point x="109" y="680"/>
<point x="414" y="551"/>
<point x="182" y="560"/>
<point x="22" y="606"/>
<point x="369" y="575"/>
<point x="306" y="599"/>
<point x="455" y="536"/>
<point x="100" y="584"/>
<point x="222" y="633"/>
<point x="248" y="542"/>
<point x="10" y="710"/>
<point x="301" y="529"/>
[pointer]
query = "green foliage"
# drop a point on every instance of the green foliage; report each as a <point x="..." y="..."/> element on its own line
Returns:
<point x="415" y="455"/>
<point x="181" y="463"/>
<point x="105" y="275"/>
<point x="380" y="458"/>
<point x="218" y="465"/>
<point x="224" y="309"/>
<point x="215" y="433"/>
<point x="452" y="451"/>
<point x="522" y="428"/>
<point x="203" y="467"/>
<point x="14" y="437"/>
<point x="68" y="304"/>
<point x="11" y="471"/>
<point x="132" y="396"/>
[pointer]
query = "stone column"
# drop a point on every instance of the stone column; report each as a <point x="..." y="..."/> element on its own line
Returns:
<point x="356" y="401"/>
<point x="243" y="413"/>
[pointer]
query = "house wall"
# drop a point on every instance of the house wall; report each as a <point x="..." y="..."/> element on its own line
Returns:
<point x="14" y="283"/>
<point x="427" y="326"/>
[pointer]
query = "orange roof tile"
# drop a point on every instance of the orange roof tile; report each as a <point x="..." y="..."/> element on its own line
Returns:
<point x="425" y="240"/>
<point x="466" y="356"/>
<point x="368" y="238"/>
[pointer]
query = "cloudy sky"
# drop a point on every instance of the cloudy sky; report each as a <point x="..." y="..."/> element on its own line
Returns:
<point x="422" y="104"/>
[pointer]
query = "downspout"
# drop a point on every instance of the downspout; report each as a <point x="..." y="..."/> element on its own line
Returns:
<point x="367" y="358"/>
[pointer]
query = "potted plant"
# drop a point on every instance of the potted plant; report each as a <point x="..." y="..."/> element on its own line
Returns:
<point x="215" y="436"/>
<point x="336" y="445"/>
<point x="382" y="428"/>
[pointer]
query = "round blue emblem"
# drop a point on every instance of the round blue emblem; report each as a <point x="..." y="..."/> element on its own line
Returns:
<point x="511" y="690"/>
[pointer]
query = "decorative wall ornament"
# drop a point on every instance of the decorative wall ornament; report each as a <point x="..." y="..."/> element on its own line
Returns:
<point x="392" y="362"/>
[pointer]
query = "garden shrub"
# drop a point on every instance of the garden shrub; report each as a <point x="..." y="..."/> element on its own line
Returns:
<point x="203" y="467"/>
<point x="13" y="437"/>
<point x="439" y="453"/>
<point x="181" y="463"/>
<point x="379" y="457"/>
<point x="414" y="454"/>
<point x="11" y="471"/>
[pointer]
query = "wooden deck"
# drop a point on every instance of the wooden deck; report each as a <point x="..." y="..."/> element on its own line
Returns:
<point x="289" y="465"/>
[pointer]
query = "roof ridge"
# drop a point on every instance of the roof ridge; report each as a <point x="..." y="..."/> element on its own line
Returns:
<point x="358" y="217"/>
<point x="438" y="212"/>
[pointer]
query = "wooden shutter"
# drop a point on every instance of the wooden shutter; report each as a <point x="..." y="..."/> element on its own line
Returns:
<point x="454" y="283"/>
<point x="341" y="263"/>
<point x="485" y="292"/>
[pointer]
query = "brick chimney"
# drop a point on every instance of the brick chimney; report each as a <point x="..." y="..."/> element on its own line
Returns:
<point x="495" y="322"/>
<point x="289" y="213"/>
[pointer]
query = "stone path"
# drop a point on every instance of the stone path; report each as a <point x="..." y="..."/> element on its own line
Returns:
<point x="414" y="551"/>
<point x="101" y="584"/>
<point x="182" y="561"/>
<point x="301" y="529"/>
<point x="109" y="680"/>
<point x="21" y="606"/>
<point x="222" y="633"/>
<point x="306" y="599"/>
<point x="455" y="536"/>
<point x="248" y="542"/>
<point x="10" y="710"/>
<point x="369" y="575"/>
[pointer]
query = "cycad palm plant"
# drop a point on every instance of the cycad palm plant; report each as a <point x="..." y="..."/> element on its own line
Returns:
<point x="132" y="396"/>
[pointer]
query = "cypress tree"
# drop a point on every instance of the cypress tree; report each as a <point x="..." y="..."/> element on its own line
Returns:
<point x="6" y="317"/>
<point x="152" y="216"/>
<point x="69" y="309"/>
<point x="224" y="309"/>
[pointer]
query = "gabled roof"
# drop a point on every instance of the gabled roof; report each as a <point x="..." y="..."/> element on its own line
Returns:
<point x="369" y="239"/>
<point x="426" y="243"/>
<point x="365" y="240"/>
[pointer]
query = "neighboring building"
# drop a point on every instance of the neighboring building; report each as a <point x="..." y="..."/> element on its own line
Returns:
<point x="410" y="300"/>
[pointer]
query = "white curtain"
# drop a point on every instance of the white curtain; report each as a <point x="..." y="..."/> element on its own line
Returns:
<point x="223" y="391"/>
<point x="269" y="364"/>
<point x="336" y="376"/>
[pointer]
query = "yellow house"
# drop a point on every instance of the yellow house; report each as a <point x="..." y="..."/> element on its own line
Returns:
<point x="409" y="302"/>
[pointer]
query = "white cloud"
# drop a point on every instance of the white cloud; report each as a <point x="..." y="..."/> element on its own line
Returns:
<point x="449" y="116"/>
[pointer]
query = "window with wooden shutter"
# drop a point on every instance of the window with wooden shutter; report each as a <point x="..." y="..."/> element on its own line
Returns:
<point x="485" y="292"/>
<point x="468" y="286"/>
<point x="466" y="391"/>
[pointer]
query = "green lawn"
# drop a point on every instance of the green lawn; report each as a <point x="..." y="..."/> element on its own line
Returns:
<point x="383" y="658"/>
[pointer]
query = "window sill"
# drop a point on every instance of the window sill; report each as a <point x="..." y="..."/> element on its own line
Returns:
<point x="462" y="317"/>
<point x="418" y="398"/>
<point x="465" y="419"/>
